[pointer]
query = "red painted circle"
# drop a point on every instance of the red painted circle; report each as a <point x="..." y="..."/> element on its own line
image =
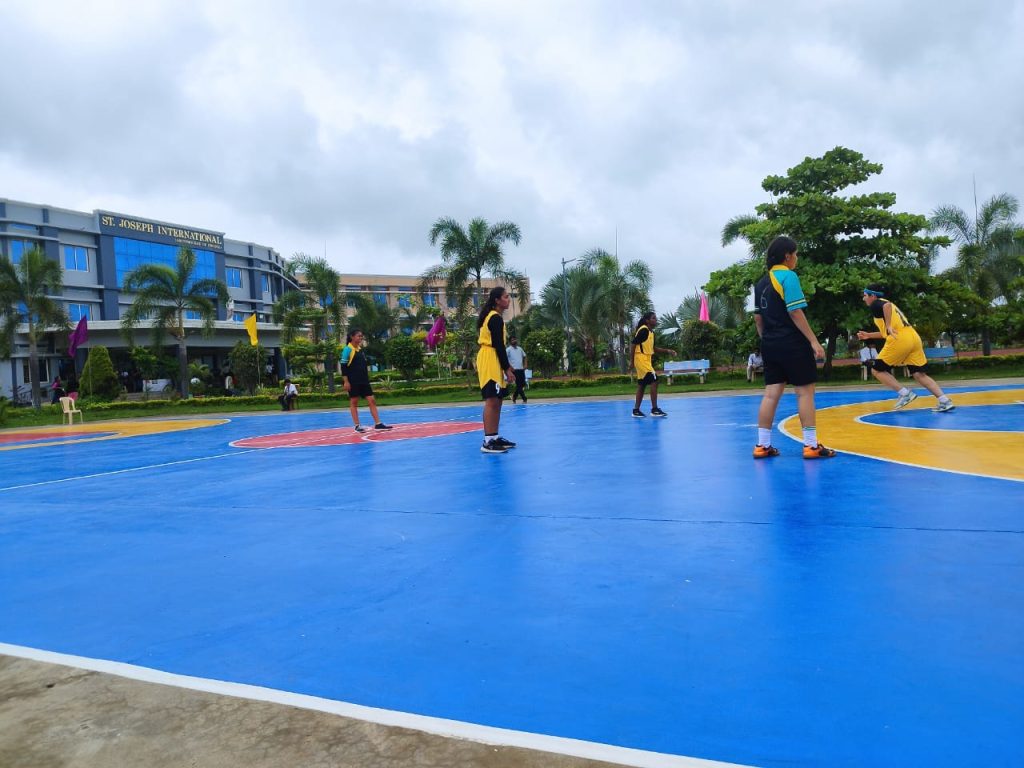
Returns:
<point x="347" y="436"/>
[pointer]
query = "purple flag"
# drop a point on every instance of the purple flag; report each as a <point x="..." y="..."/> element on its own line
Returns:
<point x="78" y="336"/>
<point x="437" y="332"/>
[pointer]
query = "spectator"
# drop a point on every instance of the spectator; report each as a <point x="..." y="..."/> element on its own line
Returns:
<point x="755" y="364"/>
<point x="517" y="359"/>
<point x="56" y="390"/>
<point x="289" y="396"/>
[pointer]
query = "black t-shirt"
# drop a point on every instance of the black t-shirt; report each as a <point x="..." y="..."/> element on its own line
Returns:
<point x="778" y="331"/>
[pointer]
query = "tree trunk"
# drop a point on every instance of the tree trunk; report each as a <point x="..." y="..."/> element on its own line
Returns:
<point x="183" y="366"/>
<point x="33" y="368"/>
<point x="830" y="349"/>
<point x="329" y="369"/>
<point x="986" y="342"/>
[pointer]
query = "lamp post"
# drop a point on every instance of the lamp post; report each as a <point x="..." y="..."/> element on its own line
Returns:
<point x="565" y="316"/>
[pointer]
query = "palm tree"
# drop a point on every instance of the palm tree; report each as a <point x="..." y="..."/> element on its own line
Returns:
<point x="624" y="293"/>
<point x="319" y="309"/>
<point x="587" y="319"/>
<point x="724" y="311"/>
<point x="167" y="296"/>
<point x="466" y="254"/>
<point x="987" y="252"/>
<point x="25" y="291"/>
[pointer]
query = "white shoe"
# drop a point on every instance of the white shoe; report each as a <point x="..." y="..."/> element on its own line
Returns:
<point x="904" y="400"/>
<point x="944" y="407"/>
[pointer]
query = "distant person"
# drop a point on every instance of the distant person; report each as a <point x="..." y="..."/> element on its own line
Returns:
<point x="868" y="355"/>
<point x="56" y="390"/>
<point x="289" y="397"/>
<point x="789" y="348"/>
<point x="229" y="383"/>
<point x="641" y="355"/>
<point x="355" y="377"/>
<point x="755" y="364"/>
<point x="517" y="359"/>
<point x="902" y="347"/>
<point x="492" y="368"/>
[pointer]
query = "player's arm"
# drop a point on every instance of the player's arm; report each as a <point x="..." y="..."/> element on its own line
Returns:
<point x="887" y="314"/>
<point x="497" y="328"/>
<point x="759" y="324"/>
<point x="345" y="353"/>
<point x="800" y="321"/>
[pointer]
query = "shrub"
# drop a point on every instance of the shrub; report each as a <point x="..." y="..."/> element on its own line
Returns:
<point x="699" y="340"/>
<point x="98" y="378"/>
<point x="246" y="365"/>
<point x="544" y="349"/>
<point x="405" y="354"/>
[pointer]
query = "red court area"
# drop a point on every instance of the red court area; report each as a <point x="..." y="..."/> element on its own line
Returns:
<point x="348" y="436"/>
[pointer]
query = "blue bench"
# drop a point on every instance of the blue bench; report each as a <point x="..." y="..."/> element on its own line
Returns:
<point x="684" y="367"/>
<point x="943" y="355"/>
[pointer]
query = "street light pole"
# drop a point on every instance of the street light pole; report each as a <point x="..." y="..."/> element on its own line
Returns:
<point x="565" y="316"/>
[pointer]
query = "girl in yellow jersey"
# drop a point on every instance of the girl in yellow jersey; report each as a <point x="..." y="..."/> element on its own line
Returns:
<point x="640" y="358"/>
<point x="902" y="347"/>
<point x="492" y="368"/>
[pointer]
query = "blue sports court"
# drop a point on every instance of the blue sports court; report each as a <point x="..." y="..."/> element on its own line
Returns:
<point x="638" y="583"/>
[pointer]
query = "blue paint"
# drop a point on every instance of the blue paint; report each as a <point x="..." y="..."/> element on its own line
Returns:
<point x="640" y="583"/>
<point x="987" y="418"/>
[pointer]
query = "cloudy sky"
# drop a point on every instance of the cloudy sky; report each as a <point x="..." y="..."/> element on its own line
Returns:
<point x="352" y="126"/>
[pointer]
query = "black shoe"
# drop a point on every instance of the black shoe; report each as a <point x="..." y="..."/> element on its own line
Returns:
<point x="358" y="428"/>
<point x="506" y="443"/>
<point x="638" y="414"/>
<point x="658" y="412"/>
<point x="381" y="425"/>
<point x="493" y="446"/>
<point x="524" y="399"/>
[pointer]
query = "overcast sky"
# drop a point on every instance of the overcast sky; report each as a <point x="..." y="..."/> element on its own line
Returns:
<point x="353" y="126"/>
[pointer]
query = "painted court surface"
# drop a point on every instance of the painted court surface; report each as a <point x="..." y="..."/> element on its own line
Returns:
<point x="637" y="583"/>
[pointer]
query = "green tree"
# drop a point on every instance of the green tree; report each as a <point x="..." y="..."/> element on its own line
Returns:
<point x="467" y="254"/>
<point x="544" y="348"/>
<point x="168" y="296"/>
<point x="318" y="310"/>
<point x="845" y="241"/>
<point x="987" y="253"/>
<point x="25" y="299"/>
<point x="624" y="294"/>
<point x="699" y="340"/>
<point x="247" y="364"/>
<point x="405" y="354"/>
<point x="98" y="378"/>
<point x="576" y="295"/>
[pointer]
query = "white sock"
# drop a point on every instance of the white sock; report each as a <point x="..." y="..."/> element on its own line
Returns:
<point x="764" y="436"/>
<point x="811" y="437"/>
<point x="943" y="398"/>
<point x="903" y="392"/>
<point x="490" y="438"/>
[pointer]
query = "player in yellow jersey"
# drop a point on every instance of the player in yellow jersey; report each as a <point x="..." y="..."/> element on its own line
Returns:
<point x="902" y="347"/>
<point x="640" y="358"/>
<point x="492" y="367"/>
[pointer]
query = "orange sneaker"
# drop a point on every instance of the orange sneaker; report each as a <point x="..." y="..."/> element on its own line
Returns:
<point x="818" y="452"/>
<point x="765" y="451"/>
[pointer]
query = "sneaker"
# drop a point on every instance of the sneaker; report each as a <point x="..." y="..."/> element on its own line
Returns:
<point x="381" y="425"/>
<point x="524" y="399"/>
<point x="638" y="414"/>
<point x="818" y="452"/>
<point x="504" y="442"/>
<point x="765" y="451"/>
<point x="360" y="429"/>
<point x="904" y="400"/>
<point x="493" y="446"/>
<point x="658" y="412"/>
<point x="944" y="407"/>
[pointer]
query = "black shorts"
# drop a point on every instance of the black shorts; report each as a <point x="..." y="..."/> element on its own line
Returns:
<point x="360" y="389"/>
<point x="795" y="366"/>
<point x="649" y="378"/>
<point x="884" y="367"/>
<point x="493" y="389"/>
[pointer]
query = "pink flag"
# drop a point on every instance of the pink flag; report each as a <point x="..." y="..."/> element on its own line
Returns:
<point x="78" y="336"/>
<point x="705" y="316"/>
<point x="437" y="332"/>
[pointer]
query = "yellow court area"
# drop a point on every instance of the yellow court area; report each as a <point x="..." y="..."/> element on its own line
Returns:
<point x="973" y="452"/>
<point x="38" y="437"/>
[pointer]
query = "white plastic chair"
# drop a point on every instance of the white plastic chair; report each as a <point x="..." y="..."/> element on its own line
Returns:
<point x="69" y="409"/>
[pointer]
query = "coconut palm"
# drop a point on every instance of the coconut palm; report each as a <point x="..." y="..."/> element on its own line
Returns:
<point x="168" y="295"/>
<point x="469" y="253"/>
<point x="587" y="320"/>
<point x="625" y="293"/>
<point x="25" y="291"/>
<point x="318" y="310"/>
<point x="986" y="249"/>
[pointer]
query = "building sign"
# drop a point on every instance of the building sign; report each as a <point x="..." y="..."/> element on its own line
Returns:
<point x="155" y="232"/>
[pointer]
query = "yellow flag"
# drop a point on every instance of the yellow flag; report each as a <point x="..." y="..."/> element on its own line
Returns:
<point x="250" y="326"/>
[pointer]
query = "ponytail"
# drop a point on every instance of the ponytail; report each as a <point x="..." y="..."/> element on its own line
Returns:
<point x="489" y="305"/>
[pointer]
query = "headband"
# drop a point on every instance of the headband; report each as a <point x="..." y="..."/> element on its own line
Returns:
<point x="869" y="292"/>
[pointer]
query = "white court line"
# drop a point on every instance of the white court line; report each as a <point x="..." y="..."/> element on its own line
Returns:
<point x="485" y="734"/>
<point x="129" y="469"/>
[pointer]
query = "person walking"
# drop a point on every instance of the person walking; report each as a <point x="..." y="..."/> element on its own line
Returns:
<point x="355" y="377"/>
<point x="789" y="348"/>
<point x="517" y="359"/>
<point x="902" y="346"/>
<point x="492" y="368"/>
<point x="641" y="356"/>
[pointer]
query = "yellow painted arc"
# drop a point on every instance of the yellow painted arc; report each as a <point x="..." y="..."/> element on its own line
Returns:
<point x="986" y="454"/>
<point x="121" y="429"/>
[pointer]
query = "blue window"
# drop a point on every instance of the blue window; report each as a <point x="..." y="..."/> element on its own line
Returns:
<point x="265" y="282"/>
<point x="23" y="228"/>
<point x="430" y="300"/>
<point x="77" y="311"/>
<point x="381" y="298"/>
<point x="233" y="276"/>
<point x="76" y="258"/>
<point x="452" y="302"/>
<point x="19" y="247"/>
<point x="238" y="317"/>
<point x="191" y="314"/>
<point x="405" y="296"/>
<point x="130" y="254"/>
